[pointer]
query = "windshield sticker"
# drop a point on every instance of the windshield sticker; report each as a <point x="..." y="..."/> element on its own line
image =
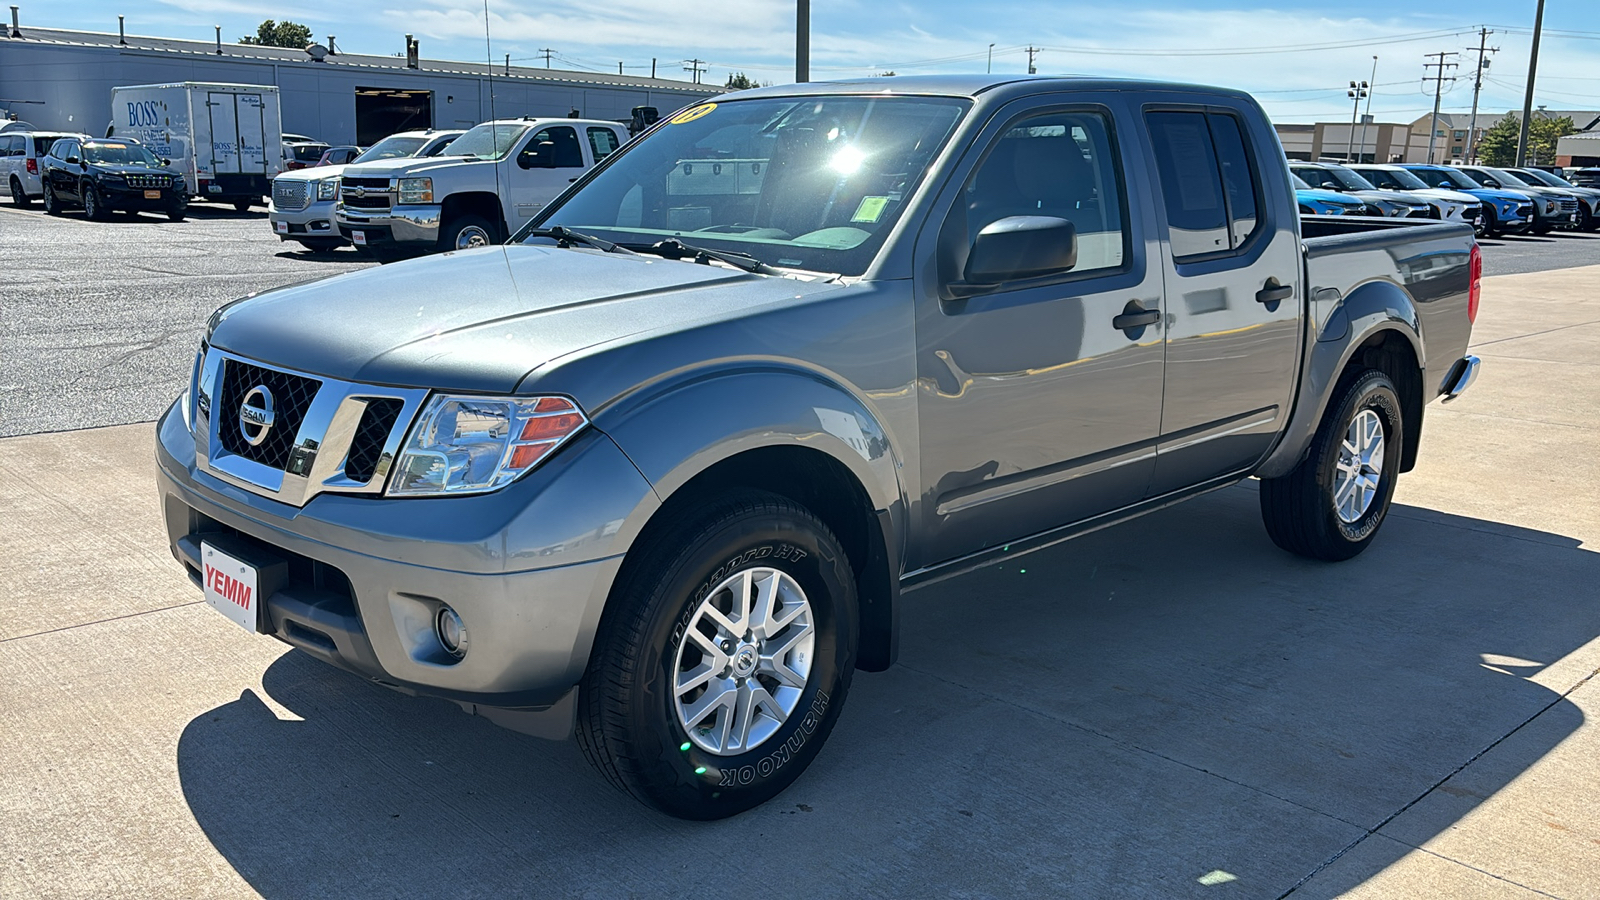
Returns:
<point x="870" y="210"/>
<point x="692" y="113"/>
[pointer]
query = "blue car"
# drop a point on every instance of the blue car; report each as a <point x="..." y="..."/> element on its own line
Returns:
<point x="1504" y="212"/>
<point x="1314" y="202"/>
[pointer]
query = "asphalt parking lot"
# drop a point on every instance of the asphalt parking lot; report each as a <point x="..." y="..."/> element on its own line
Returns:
<point x="1169" y="708"/>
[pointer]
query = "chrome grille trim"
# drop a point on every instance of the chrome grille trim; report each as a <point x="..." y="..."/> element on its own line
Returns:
<point x="291" y="195"/>
<point x="322" y="444"/>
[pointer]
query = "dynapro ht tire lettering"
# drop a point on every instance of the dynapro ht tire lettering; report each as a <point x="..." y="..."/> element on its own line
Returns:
<point x="723" y="658"/>
<point x="1331" y="505"/>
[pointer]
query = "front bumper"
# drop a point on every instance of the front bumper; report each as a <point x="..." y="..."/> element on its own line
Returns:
<point x="315" y="221"/>
<point x="528" y="569"/>
<point x="120" y="196"/>
<point x="399" y="225"/>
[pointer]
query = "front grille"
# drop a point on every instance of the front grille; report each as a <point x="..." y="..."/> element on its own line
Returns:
<point x="149" y="181"/>
<point x="1425" y="213"/>
<point x="371" y="184"/>
<point x="371" y="201"/>
<point x="1525" y="210"/>
<point x="1569" y="205"/>
<point x="291" y="397"/>
<point x="290" y="194"/>
<point x="371" y="434"/>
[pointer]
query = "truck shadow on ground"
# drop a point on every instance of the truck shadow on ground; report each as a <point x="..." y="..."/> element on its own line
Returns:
<point x="1116" y="716"/>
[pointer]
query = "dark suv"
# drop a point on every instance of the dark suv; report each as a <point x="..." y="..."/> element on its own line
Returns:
<point x="106" y="175"/>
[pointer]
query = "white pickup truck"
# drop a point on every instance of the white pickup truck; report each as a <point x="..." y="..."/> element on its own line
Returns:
<point x="498" y="176"/>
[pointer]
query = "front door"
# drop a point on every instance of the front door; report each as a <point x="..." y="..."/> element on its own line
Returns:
<point x="1232" y="265"/>
<point x="549" y="160"/>
<point x="1035" y="409"/>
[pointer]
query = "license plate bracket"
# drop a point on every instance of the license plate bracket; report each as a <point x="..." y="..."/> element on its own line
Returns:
<point x="359" y="238"/>
<point x="281" y="227"/>
<point x="237" y="578"/>
<point x="152" y="195"/>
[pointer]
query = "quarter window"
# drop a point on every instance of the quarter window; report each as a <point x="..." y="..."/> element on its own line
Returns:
<point x="1208" y="182"/>
<point x="1059" y="165"/>
<point x="602" y="141"/>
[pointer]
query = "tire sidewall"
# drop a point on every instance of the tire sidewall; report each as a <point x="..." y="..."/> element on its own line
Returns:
<point x="1376" y="392"/>
<point x="93" y="207"/>
<point x="52" y="203"/>
<point x="699" y="784"/>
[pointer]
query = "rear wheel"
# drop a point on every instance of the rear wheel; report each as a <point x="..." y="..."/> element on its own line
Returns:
<point x="467" y="232"/>
<point x="19" y="197"/>
<point x="243" y="204"/>
<point x="52" y="203"/>
<point x="723" y="659"/>
<point x="1331" y="505"/>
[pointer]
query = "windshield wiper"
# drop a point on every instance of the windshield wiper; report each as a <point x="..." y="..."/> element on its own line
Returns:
<point x="672" y="248"/>
<point x="566" y="237"/>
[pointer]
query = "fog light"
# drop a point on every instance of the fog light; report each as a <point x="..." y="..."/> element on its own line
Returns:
<point x="452" y="631"/>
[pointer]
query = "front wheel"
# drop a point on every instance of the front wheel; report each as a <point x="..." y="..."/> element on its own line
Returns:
<point x="1331" y="505"/>
<point x="94" y="207"/>
<point x="723" y="658"/>
<point x="467" y="232"/>
<point x="177" y="211"/>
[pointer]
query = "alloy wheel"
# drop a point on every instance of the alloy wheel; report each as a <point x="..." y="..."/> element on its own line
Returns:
<point x="1360" y="467"/>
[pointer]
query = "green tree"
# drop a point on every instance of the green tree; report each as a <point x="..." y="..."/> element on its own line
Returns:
<point x="1542" y="136"/>
<point x="1498" y="146"/>
<point x="739" y="81"/>
<point x="280" y="34"/>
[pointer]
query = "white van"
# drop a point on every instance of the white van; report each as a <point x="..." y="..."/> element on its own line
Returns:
<point x="224" y="138"/>
<point x="20" y="152"/>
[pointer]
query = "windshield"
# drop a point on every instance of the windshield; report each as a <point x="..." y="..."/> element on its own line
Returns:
<point x="120" y="155"/>
<point x="1545" y="177"/>
<point x="1300" y="183"/>
<point x="1446" y="178"/>
<point x="814" y="183"/>
<point x="488" y="141"/>
<point x="1396" y="179"/>
<point x="1351" y="180"/>
<point x="308" y="152"/>
<point x="1506" y="178"/>
<point x="392" y="148"/>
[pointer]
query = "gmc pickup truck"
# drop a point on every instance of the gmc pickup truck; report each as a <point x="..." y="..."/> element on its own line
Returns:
<point x="658" y="471"/>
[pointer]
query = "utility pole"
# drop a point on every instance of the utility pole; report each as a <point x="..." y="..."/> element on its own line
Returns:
<point x="1357" y="92"/>
<point x="1438" y="92"/>
<point x="546" y="54"/>
<point x="1527" y="98"/>
<point x="990" y="66"/>
<point x="1477" y="87"/>
<point x="1031" y="51"/>
<point x="802" y="41"/>
<point x="1373" y="80"/>
<point x="694" y="65"/>
<point x="652" y="67"/>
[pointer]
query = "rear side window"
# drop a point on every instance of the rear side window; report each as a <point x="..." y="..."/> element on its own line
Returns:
<point x="12" y="146"/>
<point x="1208" y="181"/>
<point x="1383" y="179"/>
<point x="42" y="145"/>
<point x="602" y="141"/>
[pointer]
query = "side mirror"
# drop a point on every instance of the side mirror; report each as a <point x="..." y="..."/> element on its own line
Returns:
<point x="538" y="156"/>
<point x="72" y="161"/>
<point x="165" y="161"/>
<point x="1021" y="247"/>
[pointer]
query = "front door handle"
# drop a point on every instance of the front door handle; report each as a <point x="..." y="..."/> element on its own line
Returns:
<point x="1135" y="316"/>
<point x="1273" y="292"/>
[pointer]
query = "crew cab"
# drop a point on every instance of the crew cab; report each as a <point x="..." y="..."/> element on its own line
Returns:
<point x="658" y="471"/>
<point x="20" y="154"/>
<point x="302" y="202"/>
<point x="498" y="176"/>
<point x="110" y="175"/>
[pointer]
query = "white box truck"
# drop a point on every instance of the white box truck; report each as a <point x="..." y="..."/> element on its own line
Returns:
<point x="224" y="138"/>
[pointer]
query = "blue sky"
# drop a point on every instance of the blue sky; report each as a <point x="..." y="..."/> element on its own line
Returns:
<point x="1297" y="57"/>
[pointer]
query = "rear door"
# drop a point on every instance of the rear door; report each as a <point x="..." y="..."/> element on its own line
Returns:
<point x="549" y="160"/>
<point x="1034" y="408"/>
<point x="250" y="114"/>
<point x="1232" y="274"/>
<point x="223" y="115"/>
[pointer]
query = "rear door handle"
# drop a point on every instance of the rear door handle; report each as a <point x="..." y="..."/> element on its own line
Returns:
<point x="1274" y="292"/>
<point x="1135" y="316"/>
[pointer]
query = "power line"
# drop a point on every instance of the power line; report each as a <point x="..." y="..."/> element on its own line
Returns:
<point x="697" y="67"/>
<point x="1477" y="88"/>
<point x="1438" y="86"/>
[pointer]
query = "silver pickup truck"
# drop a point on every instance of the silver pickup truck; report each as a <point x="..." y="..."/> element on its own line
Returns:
<point x="658" y="471"/>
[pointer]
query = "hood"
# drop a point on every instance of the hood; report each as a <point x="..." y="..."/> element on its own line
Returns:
<point x="1501" y="194"/>
<point x="481" y="320"/>
<point x="315" y="173"/>
<point x="1404" y="197"/>
<point x="1334" y="197"/>
<point x="1446" y="194"/>
<point x="410" y="165"/>
<point x="134" y="170"/>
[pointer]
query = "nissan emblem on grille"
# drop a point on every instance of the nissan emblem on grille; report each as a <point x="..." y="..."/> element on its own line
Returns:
<point x="256" y="412"/>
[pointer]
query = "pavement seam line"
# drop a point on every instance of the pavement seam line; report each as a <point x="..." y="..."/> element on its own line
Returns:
<point x="1435" y="786"/>
<point x="1464" y="865"/>
<point x="146" y="612"/>
<point x="1530" y="334"/>
<point x="1128" y="744"/>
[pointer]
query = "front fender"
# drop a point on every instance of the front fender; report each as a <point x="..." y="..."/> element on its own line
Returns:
<point x="1372" y="308"/>
<point x="678" y="430"/>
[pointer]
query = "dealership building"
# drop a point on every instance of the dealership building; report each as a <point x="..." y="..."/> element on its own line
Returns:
<point x="62" y="80"/>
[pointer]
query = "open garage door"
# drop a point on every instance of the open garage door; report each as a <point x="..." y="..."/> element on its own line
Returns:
<point x="381" y="112"/>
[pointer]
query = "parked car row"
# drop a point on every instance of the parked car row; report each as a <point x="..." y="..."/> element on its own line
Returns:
<point x="100" y="175"/>
<point x="1495" y="201"/>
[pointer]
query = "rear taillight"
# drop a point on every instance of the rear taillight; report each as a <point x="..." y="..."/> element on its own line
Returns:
<point x="1475" y="272"/>
<point x="33" y="167"/>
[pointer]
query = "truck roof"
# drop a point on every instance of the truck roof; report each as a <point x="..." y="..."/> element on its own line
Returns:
<point x="198" y="84"/>
<point x="975" y="85"/>
<point x="527" y="120"/>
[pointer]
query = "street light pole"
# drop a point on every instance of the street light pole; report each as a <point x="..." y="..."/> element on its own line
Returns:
<point x="1357" y="92"/>
<point x="1374" y="82"/>
<point x="802" y="41"/>
<point x="990" y="67"/>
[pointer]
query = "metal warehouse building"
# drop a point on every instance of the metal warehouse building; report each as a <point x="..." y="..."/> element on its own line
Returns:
<point x="62" y="80"/>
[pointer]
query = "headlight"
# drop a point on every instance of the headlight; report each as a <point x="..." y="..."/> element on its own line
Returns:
<point x="470" y="445"/>
<point x="1550" y="206"/>
<point x="328" y="189"/>
<point x="416" y="190"/>
<point x="191" y="389"/>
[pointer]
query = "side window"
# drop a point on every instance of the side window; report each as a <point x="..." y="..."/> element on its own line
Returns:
<point x="1060" y="165"/>
<point x="552" y="148"/>
<point x="1208" y="181"/>
<point x="602" y="141"/>
<point x="12" y="147"/>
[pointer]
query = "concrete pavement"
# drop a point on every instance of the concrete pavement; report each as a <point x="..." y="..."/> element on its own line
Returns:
<point x="1170" y="708"/>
